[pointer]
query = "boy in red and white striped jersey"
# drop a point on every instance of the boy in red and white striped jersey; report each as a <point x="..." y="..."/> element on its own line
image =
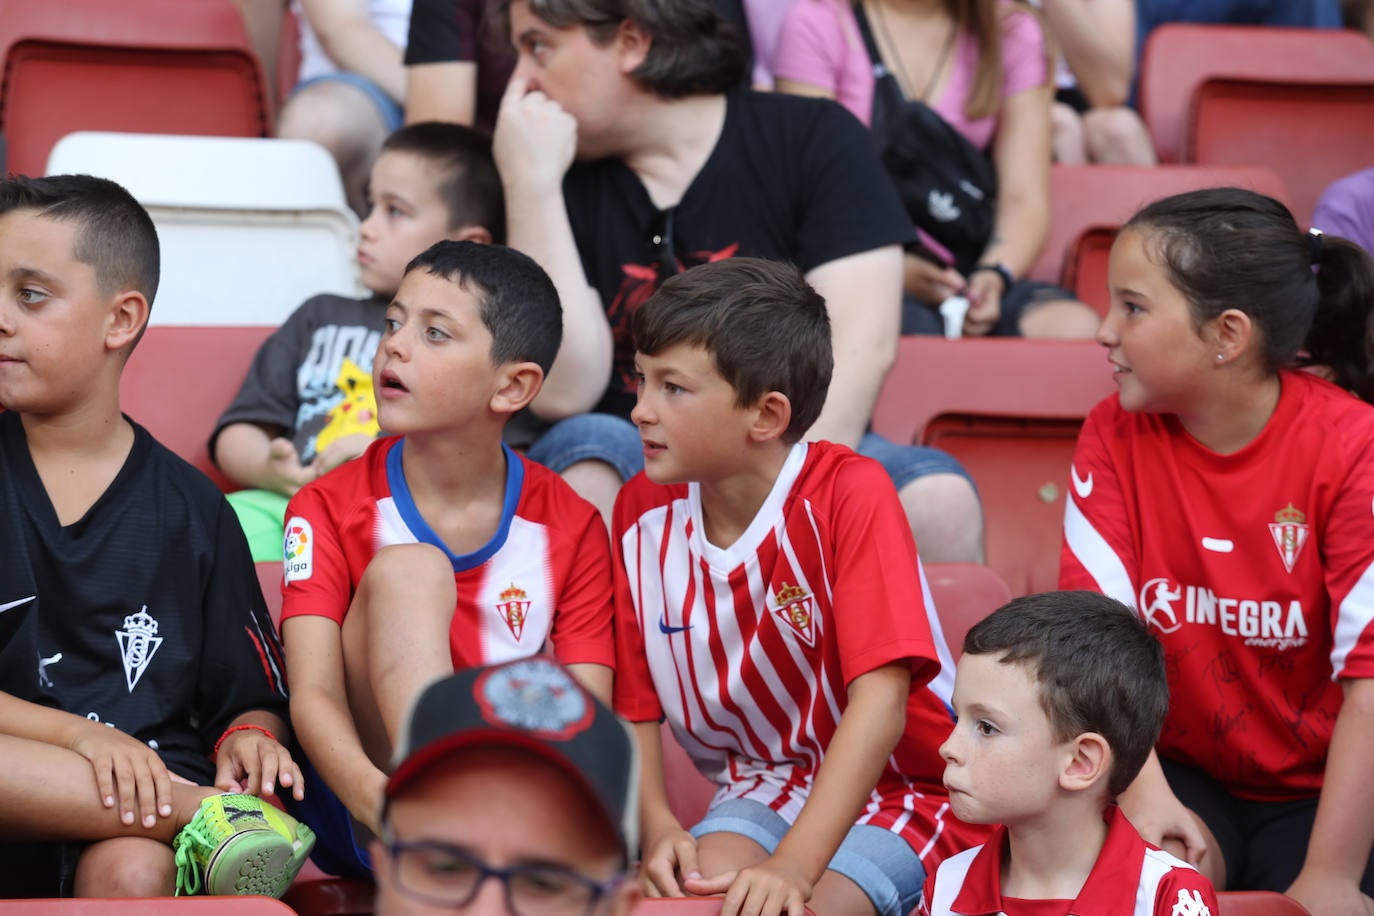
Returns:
<point x="770" y="604"/>
<point x="1059" y="698"/>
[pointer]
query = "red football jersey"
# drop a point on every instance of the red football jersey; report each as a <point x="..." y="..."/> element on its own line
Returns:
<point x="748" y="649"/>
<point x="1255" y="570"/>
<point x="545" y="575"/>
<point x="1130" y="878"/>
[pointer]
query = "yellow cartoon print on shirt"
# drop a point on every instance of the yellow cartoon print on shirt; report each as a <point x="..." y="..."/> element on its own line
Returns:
<point x="356" y="413"/>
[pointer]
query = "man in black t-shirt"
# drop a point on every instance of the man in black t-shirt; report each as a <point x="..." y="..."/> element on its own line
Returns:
<point x="675" y="167"/>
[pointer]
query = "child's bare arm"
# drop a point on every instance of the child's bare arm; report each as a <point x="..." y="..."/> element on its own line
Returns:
<point x="1343" y="834"/>
<point x="869" y="729"/>
<point x="1153" y="809"/>
<point x="598" y="679"/>
<point x="322" y="718"/>
<point x="250" y="456"/>
<point x="670" y="852"/>
<point x="129" y="774"/>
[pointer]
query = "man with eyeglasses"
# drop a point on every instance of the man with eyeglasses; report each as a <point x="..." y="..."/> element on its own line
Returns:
<point x="514" y="791"/>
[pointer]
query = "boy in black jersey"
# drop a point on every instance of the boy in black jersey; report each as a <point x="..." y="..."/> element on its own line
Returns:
<point x="171" y="647"/>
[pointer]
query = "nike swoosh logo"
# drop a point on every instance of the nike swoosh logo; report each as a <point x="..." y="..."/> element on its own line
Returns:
<point x="13" y="604"/>
<point x="1083" y="488"/>
<point x="667" y="630"/>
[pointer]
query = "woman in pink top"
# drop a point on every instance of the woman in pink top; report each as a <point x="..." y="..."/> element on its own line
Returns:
<point x="981" y="64"/>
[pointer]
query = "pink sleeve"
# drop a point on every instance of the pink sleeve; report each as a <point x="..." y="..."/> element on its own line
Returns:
<point x="819" y="45"/>
<point x="1023" y="53"/>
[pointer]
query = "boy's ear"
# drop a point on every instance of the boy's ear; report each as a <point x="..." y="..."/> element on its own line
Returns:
<point x="516" y="387"/>
<point x="471" y="232"/>
<point x="1232" y="330"/>
<point x="633" y="43"/>
<point x="773" y="414"/>
<point x="127" y="317"/>
<point x="1090" y="759"/>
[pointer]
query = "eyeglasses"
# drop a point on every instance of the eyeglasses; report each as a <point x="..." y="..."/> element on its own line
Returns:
<point x="441" y="874"/>
<point x="661" y="238"/>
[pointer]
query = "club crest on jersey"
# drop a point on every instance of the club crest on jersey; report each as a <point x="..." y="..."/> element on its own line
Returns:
<point x="514" y="607"/>
<point x="298" y="550"/>
<point x="138" y="643"/>
<point x="797" y="608"/>
<point x="1290" y="530"/>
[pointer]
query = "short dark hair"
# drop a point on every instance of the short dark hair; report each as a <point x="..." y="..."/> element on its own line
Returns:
<point x="1230" y="248"/>
<point x="516" y="299"/>
<point x="763" y="324"/>
<point x="694" y="50"/>
<point x="1099" y="670"/>
<point x="114" y="234"/>
<point x="470" y="185"/>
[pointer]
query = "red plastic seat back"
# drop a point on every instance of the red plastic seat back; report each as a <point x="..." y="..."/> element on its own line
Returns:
<point x="964" y="594"/>
<point x="1258" y="903"/>
<point x="181" y="378"/>
<point x="142" y="66"/>
<point x="1309" y="134"/>
<point x="1179" y="57"/>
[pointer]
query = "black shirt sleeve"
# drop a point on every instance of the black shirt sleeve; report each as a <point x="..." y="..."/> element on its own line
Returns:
<point x="435" y="32"/>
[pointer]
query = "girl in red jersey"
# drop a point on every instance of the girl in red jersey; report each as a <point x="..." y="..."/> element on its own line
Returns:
<point x="1229" y="497"/>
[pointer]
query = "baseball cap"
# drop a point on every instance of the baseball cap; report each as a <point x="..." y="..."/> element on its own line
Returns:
<point x="535" y="705"/>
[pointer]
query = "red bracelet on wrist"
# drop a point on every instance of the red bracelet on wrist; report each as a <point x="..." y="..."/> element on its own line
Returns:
<point x="238" y="728"/>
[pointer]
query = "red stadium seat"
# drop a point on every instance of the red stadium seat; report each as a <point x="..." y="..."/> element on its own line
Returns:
<point x="180" y="379"/>
<point x="1010" y="410"/>
<point x="147" y="906"/>
<point x="1311" y="134"/>
<point x="314" y="893"/>
<point x="149" y="66"/>
<point x="1258" y="903"/>
<point x="1180" y="57"/>
<point x="269" y="578"/>
<point x="689" y="793"/>
<point x="1088" y="198"/>
<point x="964" y="594"/>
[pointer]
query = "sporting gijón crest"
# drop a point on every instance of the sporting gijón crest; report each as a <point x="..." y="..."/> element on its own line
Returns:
<point x="1290" y="531"/>
<point x="514" y="608"/>
<point x="796" y="608"/>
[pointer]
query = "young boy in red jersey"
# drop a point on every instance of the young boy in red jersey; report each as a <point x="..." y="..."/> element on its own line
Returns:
<point x="770" y="604"/>
<point x="132" y="628"/>
<point x="440" y="548"/>
<point x="1059" y="699"/>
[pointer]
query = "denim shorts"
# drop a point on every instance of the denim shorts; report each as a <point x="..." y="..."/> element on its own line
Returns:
<point x="393" y="116"/>
<point x="880" y="862"/>
<point x="615" y="441"/>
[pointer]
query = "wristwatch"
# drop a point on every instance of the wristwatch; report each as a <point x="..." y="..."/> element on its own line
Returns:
<point x="1002" y="270"/>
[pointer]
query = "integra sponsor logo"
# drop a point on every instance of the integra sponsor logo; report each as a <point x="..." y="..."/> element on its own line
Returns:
<point x="1166" y="606"/>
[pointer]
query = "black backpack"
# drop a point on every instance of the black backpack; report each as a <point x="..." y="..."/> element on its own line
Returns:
<point x="948" y="186"/>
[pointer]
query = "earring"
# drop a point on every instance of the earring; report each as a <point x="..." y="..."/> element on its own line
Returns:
<point x="1220" y="357"/>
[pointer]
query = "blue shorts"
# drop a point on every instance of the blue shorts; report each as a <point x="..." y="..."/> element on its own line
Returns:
<point x="615" y="441"/>
<point x="393" y="116"/>
<point x="336" y="851"/>
<point x="880" y="862"/>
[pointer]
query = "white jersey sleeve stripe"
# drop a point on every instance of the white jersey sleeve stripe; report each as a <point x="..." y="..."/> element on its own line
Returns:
<point x="1353" y="618"/>
<point x="1092" y="550"/>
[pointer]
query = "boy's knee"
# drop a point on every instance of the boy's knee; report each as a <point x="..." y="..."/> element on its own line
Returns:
<point x="339" y="117"/>
<point x="407" y="566"/>
<point x="946" y="518"/>
<point x="1118" y="135"/>
<point x="126" y="867"/>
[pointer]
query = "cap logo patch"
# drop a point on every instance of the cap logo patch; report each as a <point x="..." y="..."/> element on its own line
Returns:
<point x="535" y="696"/>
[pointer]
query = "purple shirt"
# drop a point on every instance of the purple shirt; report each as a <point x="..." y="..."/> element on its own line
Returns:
<point x="1347" y="209"/>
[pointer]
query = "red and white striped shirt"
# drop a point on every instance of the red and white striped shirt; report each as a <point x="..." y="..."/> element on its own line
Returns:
<point x="544" y="576"/>
<point x="1254" y="569"/>
<point x="748" y="650"/>
<point x="1130" y="878"/>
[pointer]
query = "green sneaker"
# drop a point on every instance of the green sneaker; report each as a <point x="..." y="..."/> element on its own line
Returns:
<point x="239" y="844"/>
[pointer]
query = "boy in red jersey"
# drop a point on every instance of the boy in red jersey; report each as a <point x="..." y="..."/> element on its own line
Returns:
<point x="770" y="604"/>
<point x="439" y="548"/>
<point x="1059" y="699"/>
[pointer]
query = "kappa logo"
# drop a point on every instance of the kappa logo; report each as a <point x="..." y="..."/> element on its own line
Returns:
<point x="138" y="643"/>
<point x="1084" y="488"/>
<point x="1157" y="605"/>
<point x="513" y="607"/>
<point x="1289" y="530"/>
<point x="1190" y="903"/>
<point x="942" y="207"/>
<point x="797" y="609"/>
<point x="298" y="550"/>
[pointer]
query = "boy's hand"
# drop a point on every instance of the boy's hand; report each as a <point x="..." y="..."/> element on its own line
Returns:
<point x="1167" y="823"/>
<point x="340" y="451"/>
<point x="772" y="887"/>
<point x="285" y="472"/>
<point x="128" y="773"/>
<point x="1333" y="894"/>
<point x="251" y="762"/>
<point x="670" y="856"/>
<point x="985" y="303"/>
<point x="930" y="282"/>
<point x="535" y="139"/>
